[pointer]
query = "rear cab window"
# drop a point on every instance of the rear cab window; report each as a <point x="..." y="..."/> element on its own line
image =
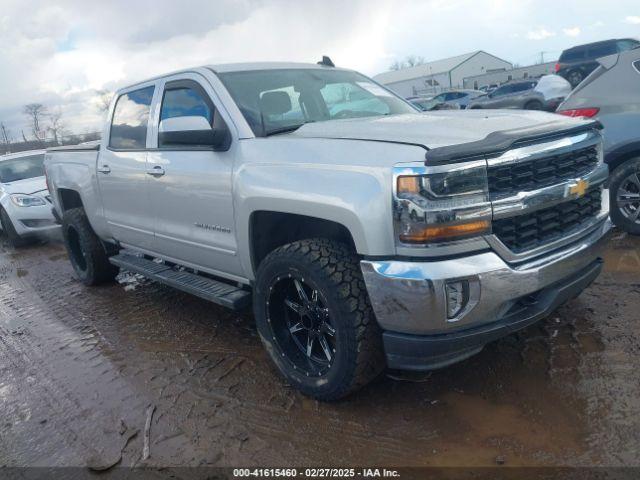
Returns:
<point x="130" y="120"/>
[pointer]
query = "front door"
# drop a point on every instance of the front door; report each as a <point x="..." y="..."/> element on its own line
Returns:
<point x="122" y="171"/>
<point x="191" y="193"/>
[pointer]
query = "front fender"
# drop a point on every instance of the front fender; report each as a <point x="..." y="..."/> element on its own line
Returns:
<point x="357" y="198"/>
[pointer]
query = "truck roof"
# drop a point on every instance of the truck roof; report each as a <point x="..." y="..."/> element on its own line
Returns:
<point x="237" y="67"/>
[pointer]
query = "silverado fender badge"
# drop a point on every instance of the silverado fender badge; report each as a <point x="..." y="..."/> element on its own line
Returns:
<point x="577" y="188"/>
<point x="215" y="228"/>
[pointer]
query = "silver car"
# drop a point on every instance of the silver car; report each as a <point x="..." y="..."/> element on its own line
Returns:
<point x="456" y="98"/>
<point x="521" y="95"/>
<point x="611" y="94"/>
<point x="25" y="205"/>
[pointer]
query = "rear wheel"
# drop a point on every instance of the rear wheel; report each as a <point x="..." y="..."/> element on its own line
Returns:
<point x="533" y="105"/>
<point x="575" y="77"/>
<point x="314" y="317"/>
<point x="624" y="196"/>
<point x="86" y="252"/>
<point x="10" y="232"/>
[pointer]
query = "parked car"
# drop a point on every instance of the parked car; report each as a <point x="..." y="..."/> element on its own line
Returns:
<point x="365" y="237"/>
<point x="459" y="98"/>
<point x="554" y="89"/>
<point x="488" y="88"/>
<point x="422" y="103"/>
<point x="611" y="94"/>
<point x="519" y="94"/>
<point x="576" y="63"/>
<point x="25" y="205"/>
<point x="427" y="104"/>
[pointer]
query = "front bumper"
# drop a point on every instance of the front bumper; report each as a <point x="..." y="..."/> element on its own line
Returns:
<point x="32" y="221"/>
<point x="409" y="299"/>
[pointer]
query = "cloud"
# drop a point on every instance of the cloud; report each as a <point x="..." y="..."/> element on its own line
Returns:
<point x="540" y="34"/>
<point x="633" y="19"/>
<point x="572" y="32"/>
<point x="63" y="53"/>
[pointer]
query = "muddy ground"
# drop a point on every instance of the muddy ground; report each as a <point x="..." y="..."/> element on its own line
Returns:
<point x="82" y="370"/>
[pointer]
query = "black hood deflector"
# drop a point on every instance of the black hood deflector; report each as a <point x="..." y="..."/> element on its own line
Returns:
<point x="497" y="143"/>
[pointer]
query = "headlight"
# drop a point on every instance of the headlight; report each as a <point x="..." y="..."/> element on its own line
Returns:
<point x="441" y="203"/>
<point x="22" y="200"/>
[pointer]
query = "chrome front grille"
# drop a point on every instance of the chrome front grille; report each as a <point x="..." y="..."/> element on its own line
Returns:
<point x="532" y="230"/>
<point x="509" y="179"/>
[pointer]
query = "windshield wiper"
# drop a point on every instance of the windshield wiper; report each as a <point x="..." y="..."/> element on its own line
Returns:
<point x="290" y="128"/>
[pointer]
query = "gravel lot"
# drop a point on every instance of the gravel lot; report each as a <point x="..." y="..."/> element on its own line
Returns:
<point x="88" y="374"/>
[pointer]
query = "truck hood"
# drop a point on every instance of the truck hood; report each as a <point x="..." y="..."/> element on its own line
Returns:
<point x="28" y="186"/>
<point x="435" y="129"/>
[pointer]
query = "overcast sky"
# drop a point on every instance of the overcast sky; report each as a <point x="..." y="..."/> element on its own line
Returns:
<point x="61" y="52"/>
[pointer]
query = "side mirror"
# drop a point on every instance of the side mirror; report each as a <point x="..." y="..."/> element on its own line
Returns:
<point x="192" y="131"/>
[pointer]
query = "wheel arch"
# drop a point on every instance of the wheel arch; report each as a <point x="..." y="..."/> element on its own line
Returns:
<point x="270" y="229"/>
<point x="69" y="198"/>
<point x="622" y="154"/>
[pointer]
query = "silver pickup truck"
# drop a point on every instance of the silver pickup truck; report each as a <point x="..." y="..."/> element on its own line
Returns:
<point x="365" y="234"/>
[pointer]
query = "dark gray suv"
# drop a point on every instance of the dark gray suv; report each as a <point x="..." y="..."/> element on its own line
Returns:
<point x="611" y="94"/>
<point x="576" y="63"/>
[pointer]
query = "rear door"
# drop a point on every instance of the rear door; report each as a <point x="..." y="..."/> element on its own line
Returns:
<point x="122" y="169"/>
<point x="191" y="192"/>
<point x="500" y="97"/>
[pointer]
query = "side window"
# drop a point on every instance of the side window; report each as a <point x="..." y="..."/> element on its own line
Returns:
<point x="602" y="50"/>
<point x="521" y="87"/>
<point x="183" y="101"/>
<point x="624" y="45"/>
<point x="502" y="91"/>
<point x="636" y="65"/>
<point x="130" y="120"/>
<point x="573" y="55"/>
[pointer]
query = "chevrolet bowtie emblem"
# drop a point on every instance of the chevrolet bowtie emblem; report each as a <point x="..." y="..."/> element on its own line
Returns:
<point x="578" y="188"/>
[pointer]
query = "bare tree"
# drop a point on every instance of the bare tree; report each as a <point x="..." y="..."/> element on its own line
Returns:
<point x="56" y="127"/>
<point x="104" y="100"/>
<point x="35" y="112"/>
<point x="396" y="65"/>
<point x="5" y="135"/>
<point x="409" y="61"/>
<point x="413" y="61"/>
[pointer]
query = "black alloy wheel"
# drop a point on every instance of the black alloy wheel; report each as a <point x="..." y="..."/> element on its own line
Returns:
<point x="301" y="323"/>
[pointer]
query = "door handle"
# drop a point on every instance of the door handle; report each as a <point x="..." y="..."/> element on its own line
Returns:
<point x="104" y="169"/>
<point x="156" y="171"/>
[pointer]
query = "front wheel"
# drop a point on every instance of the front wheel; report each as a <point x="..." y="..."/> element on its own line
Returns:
<point x="315" y="320"/>
<point x="624" y="196"/>
<point x="86" y="252"/>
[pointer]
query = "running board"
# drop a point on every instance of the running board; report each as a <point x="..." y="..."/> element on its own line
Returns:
<point x="229" y="296"/>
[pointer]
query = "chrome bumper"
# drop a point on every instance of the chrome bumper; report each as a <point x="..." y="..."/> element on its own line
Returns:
<point x="409" y="297"/>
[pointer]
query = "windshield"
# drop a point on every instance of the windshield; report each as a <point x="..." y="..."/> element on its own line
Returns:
<point x="275" y="101"/>
<point x="21" y="168"/>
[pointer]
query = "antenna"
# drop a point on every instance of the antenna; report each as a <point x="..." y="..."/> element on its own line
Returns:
<point x="326" y="61"/>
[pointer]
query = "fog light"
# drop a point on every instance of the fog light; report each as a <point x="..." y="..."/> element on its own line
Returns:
<point x="457" y="297"/>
